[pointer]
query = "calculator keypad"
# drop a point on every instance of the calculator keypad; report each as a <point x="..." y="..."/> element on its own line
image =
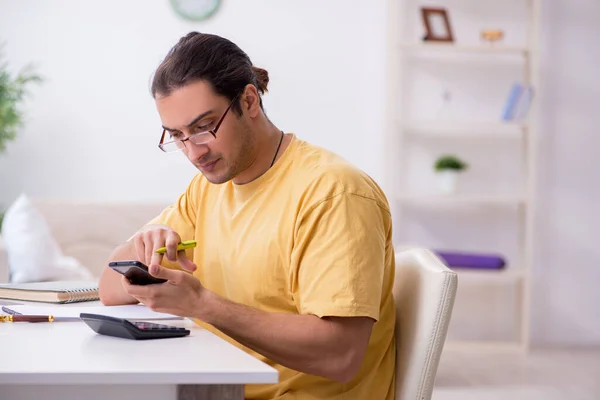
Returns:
<point x="150" y="326"/>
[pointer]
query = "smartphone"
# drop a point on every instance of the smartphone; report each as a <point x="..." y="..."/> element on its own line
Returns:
<point x="135" y="271"/>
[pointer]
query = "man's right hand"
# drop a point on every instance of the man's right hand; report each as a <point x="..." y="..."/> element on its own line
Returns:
<point x="142" y="247"/>
<point x="153" y="237"/>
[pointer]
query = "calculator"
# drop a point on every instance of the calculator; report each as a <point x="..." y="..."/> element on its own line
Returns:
<point x="136" y="330"/>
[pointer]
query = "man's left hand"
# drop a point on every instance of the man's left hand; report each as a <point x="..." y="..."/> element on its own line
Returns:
<point x="181" y="295"/>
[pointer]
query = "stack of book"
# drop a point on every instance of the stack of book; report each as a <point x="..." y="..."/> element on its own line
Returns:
<point x="50" y="292"/>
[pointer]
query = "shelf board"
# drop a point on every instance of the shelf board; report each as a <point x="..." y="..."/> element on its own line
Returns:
<point x="456" y="129"/>
<point x="478" y="346"/>
<point x="472" y="274"/>
<point x="467" y="199"/>
<point x="465" y="49"/>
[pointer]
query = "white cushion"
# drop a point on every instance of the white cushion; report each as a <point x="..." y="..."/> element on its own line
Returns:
<point x="33" y="253"/>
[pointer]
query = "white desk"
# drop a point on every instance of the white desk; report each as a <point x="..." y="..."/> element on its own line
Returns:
<point x="68" y="360"/>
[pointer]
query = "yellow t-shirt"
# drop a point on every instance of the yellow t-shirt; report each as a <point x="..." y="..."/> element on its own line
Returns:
<point x="313" y="235"/>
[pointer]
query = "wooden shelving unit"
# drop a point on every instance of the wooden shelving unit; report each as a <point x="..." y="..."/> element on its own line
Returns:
<point x="458" y="49"/>
<point x="404" y="128"/>
<point x="466" y="199"/>
<point x="477" y="130"/>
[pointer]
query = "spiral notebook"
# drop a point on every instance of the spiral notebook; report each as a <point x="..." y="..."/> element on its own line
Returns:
<point x="51" y="292"/>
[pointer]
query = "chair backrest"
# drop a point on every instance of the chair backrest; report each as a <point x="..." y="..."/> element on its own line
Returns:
<point x="424" y="292"/>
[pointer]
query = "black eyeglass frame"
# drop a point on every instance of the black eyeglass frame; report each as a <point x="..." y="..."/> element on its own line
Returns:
<point x="213" y="132"/>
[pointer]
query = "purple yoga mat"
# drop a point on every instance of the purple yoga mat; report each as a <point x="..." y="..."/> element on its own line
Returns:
<point x="471" y="260"/>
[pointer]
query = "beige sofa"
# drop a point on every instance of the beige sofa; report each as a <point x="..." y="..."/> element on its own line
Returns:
<point x="89" y="231"/>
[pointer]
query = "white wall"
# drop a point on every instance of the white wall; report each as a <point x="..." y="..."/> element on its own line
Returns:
<point x="92" y="128"/>
<point x="568" y="252"/>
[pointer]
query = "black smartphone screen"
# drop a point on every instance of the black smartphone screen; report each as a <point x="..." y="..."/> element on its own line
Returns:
<point x="135" y="271"/>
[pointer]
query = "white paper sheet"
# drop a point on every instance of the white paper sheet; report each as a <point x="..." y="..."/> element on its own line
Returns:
<point x="136" y="311"/>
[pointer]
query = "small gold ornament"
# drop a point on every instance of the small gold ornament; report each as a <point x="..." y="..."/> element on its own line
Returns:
<point x="492" y="35"/>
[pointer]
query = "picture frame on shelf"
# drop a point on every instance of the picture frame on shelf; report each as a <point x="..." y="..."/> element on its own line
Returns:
<point x="437" y="25"/>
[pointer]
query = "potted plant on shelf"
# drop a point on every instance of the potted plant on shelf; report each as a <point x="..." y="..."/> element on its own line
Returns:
<point x="447" y="168"/>
<point x="13" y="90"/>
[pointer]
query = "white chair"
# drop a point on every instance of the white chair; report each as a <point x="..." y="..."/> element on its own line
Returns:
<point x="424" y="292"/>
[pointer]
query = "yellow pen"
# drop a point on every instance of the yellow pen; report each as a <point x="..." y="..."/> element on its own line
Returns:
<point x="187" y="244"/>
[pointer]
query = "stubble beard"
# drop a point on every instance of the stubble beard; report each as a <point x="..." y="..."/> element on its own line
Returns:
<point x="238" y="161"/>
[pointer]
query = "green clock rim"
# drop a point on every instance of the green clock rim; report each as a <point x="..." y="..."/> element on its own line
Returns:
<point x="200" y="17"/>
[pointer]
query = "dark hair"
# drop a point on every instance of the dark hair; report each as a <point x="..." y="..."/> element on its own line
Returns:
<point x="211" y="58"/>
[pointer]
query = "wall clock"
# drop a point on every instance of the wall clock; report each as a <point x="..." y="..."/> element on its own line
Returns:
<point x="195" y="10"/>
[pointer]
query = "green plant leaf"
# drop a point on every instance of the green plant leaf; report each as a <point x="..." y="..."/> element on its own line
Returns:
<point x="450" y="162"/>
<point x="13" y="91"/>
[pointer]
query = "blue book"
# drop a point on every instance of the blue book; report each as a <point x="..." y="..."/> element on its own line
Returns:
<point x="511" y="103"/>
<point x="523" y="104"/>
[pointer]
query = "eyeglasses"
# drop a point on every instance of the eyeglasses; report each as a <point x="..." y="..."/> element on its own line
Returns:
<point x="196" y="138"/>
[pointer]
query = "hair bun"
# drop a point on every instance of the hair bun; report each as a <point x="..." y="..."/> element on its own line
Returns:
<point x="262" y="79"/>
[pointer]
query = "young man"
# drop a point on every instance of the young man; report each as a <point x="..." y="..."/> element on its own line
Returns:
<point x="294" y="262"/>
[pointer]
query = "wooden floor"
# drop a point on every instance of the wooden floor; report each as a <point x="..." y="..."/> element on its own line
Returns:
<point x="542" y="374"/>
